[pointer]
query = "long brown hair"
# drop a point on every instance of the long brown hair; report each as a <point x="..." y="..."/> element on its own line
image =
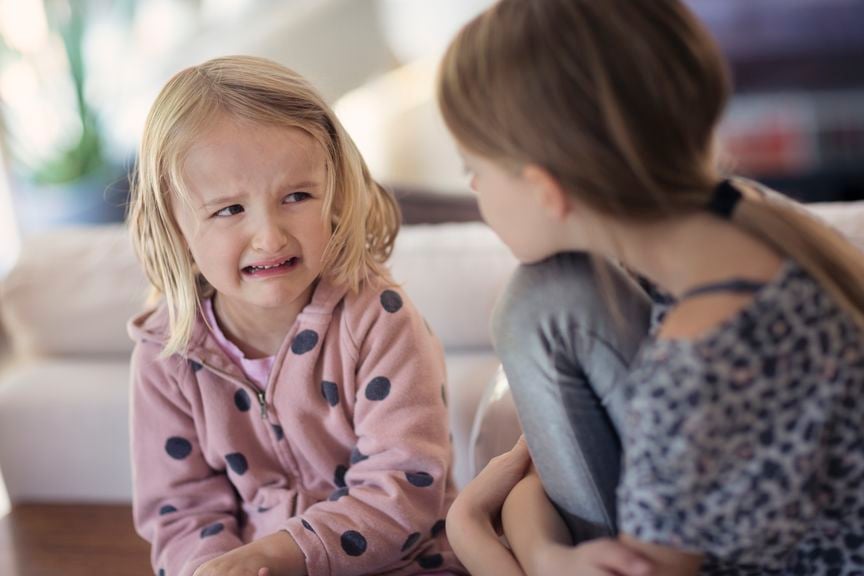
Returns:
<point x="364" y="217"/>
<point x="619" y="100"/>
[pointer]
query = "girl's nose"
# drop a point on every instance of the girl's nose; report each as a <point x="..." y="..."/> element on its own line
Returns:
<point x="269" y="237"/>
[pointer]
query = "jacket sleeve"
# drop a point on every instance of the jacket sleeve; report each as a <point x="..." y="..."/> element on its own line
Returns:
<point x="396" y="488"/>
<point x="182" y="506"/>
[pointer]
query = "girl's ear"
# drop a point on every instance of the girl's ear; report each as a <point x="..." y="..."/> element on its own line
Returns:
<point x="552" y="197"/>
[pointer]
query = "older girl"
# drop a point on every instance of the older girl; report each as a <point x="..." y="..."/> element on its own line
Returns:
<point x="588" y="126"/>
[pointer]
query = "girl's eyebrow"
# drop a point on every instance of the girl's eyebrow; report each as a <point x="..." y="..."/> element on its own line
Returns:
<point x="234" y="198"/>
<point x="221" y="200"/>
<point x="300" y="185"/>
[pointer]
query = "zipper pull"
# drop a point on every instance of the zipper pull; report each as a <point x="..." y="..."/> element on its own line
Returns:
<point x="262" y="401"/>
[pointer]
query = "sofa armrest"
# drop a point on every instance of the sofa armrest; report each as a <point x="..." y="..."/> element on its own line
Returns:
<point x="71" y="293"/>
<point x="496" y="425"/>
<point x="5" y="345"/>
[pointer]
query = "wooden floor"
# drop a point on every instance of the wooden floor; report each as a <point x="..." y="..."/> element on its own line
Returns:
<point x="71" y="540"/>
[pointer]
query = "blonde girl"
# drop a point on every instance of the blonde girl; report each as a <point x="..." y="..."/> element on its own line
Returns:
<point x="728" y="437"/>
<point x="287" y="413"/>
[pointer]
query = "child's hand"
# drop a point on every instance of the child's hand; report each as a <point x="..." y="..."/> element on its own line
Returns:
<point x="600" y="557"/>
<point x="276" y="554"/>
<point x="484" y="496"/>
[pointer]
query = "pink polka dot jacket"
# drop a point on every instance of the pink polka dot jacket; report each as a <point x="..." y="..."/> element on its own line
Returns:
<point x="347" y="448"/>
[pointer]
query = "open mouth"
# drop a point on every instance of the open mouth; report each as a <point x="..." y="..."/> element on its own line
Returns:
<point x="285" y="264"/>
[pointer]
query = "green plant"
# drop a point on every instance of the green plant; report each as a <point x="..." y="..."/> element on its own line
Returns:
<point x="86" y="156"/>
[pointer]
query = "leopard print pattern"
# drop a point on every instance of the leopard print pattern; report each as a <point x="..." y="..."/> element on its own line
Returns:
<point x="747" y="444"/>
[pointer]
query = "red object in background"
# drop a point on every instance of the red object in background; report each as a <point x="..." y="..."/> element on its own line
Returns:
<point x="776" y="151"/>
<point x="764" y="137"/>
<point x="794" y="134"/>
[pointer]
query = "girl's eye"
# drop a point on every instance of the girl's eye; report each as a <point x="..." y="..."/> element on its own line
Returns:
<point x="297" y="197"/>
<point x="230" y="210"/>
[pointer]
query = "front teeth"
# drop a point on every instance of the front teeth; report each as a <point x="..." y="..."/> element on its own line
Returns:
<point x="259" y="268"/>
<point x="266" y="267"/>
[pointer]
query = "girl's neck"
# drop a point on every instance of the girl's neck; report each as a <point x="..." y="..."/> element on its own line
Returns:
<point x="687" y="252"/>
<point x="257" y="332"/>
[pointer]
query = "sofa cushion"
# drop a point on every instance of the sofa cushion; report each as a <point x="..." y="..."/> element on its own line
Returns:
<point x="847" y="217"/>
<point x="453" y="273"/>
<point x="72" y="291"/>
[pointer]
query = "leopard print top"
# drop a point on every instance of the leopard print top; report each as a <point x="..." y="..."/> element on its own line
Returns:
<point x="747" y="445"/>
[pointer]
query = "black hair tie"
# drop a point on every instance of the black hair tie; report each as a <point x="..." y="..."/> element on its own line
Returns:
<point x="724" y="199"/>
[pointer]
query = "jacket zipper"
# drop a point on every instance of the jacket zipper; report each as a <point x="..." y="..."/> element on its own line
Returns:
<point x="260" y="394"/>
<point x="262" y="401"/>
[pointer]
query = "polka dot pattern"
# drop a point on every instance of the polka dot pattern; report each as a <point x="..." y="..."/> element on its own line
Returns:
<point x="420" y="479"/>
<point x="337" y="494"/>
<point x="357" y="456"/>
<point x="307" y="526"/>
<point x="212" y="530"/>
<point x="378" y="388"/>
<point x="278" y="431"/>
<point x="391" y="301"/>
<point x="195" y="366"/>
<point x="353" y="543"/>
<point x="431" y="561"/>
<point x="438" y="527"/>
<point x="237" y="462"/>
<point x="161" y="572"/>
<point x="330" y="392"/>
<point x="339" y="475"/>
<point x="410" y="541"/>
<point x="242" y="400"/>
<point x="167" y="509"/>
<point x="304" y="342"/>
<point x="178" y="448"/>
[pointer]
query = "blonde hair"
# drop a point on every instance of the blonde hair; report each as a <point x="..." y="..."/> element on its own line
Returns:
<point x="619" y="100"/>
<point x="364" y="217"/>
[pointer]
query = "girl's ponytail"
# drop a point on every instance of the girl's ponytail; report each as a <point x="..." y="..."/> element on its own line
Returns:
<point x="834" y="262"/>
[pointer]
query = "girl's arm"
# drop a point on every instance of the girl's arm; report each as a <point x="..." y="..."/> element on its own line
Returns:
<point x="531" y="524"/>
<point x="477" y="545"/>
<point x="605" y="557"/>
<point x="181" y="506"/>
<point x="273" y="555"/>
<point x="666" y="560"/>
<point x="392" y="489"/>
<point x="541" y="541"/>
<point x="472" y="518"/>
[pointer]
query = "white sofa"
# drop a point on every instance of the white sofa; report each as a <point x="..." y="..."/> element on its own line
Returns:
<point x="64" y="373"/>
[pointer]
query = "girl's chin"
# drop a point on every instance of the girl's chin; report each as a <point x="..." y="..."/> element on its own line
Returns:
<point x="277" y="297"/>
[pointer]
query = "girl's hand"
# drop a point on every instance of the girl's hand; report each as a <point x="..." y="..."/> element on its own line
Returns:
<point x="482" y="499"/>
<point x="475" y="512"/>
<point x="600" y="557"/>
<point x="276" y="554"/>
